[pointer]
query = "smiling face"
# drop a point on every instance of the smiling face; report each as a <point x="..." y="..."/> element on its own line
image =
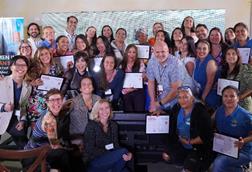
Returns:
<point x="231" y="57"/>
<point x="131" y="54"/>
<point x="120" y="35"/>
<point x="19" y="68"/>
<point x="202" y="50"/>
<point x="201" y="33"/>
<point x="63" y="44"/>
<point x="156" y="28"/>
<point x="109" y="63"/>
<point x="49" y="34"/>
<point x="72" y="24"/>
<point x="160" y="37"/>
<point x="177" y="35"/>
<point x="80" y="44"/>
<point x="215" y="37"/>
<point x="104" y="111"/>
<point x="91" y="32"/>
<point x="185" y="99"/>
<point x="184" y="45"/>
<point x="100" y="45"/>
<point x="229" y="35"/>
<point x="229" y="98"/>
<point x="25" y="49"/>
<point x="161" y="52"/>
<point x="33" y="31"/>
<point x="45" y="57"/>
<point x="107" y="32"/>
<point x="188" y="22"/>
<point x="86" y="86"/>
<point x="54" y="103"/>
<point x="241" y="33"/>
<point x="81" y="65"/>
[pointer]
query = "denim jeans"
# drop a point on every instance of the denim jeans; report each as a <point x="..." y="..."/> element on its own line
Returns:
<point x="224" y="163"/>
<point x="111" y="161"/>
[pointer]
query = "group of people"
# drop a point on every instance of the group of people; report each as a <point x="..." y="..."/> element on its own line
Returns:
<point x="180" y="78"/>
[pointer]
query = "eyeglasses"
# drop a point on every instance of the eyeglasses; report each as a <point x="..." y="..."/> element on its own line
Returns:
<point x="184" y="88"/>
<point x="20" y="65"/>
<point x="25" y="47"/>
<point x="54" y="100"/>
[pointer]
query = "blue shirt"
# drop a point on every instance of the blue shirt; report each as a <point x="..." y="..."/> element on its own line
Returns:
<point x="238" y="124"/>
<point x="247" y="45"/>
<point x="166" y="74"/>
<point x="183" y="126"/>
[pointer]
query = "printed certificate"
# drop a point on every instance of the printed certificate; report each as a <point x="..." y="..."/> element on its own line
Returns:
<point x="222" y="83"/>
<point x="143" y="51"/>
<point x="225" y="145"/>
<point x="64" y="61"/>
<point x="245" y="54"/>
<point x="50" y="82"/>
<point x="133" y="80"/>
<point x="157" y="124"/>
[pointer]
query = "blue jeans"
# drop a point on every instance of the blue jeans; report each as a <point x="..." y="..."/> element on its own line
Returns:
<point x="111" y="161"/>
<point x="224" y="163"/>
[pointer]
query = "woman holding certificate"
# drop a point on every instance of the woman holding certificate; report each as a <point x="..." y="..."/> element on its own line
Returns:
<point x="233" y="69"/>
<point x="109" y="81"/>
<point x="243" y="43"/>
<point x="233" y="121"/>
<point x="191" y="133"/>
<point x="42" y="65"/>
<point x="74" y="75"/>
<point x="101" y="141"/>
<point x="133" y="97"/>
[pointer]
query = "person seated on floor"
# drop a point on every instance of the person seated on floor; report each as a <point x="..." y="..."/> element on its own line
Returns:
<point x="234" y="121"/>
<point x="101" y="141"/>
<point x="191" y="133"/>
<point x="53" y="128"/>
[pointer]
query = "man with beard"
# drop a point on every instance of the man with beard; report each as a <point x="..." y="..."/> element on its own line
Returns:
<point x="72" y="22"/>
<point x="33" y="31"/>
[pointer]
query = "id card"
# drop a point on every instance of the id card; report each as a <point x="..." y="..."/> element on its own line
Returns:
<point x="160" y="88"/>
<point x="17" y="114"/>
<point x="108" y="92"/>
<point x="109" y="146"/>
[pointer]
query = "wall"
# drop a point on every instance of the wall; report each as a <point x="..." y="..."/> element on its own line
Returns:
<point x="236" y="10"/>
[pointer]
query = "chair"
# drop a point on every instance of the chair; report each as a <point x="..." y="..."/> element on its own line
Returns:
<point x="38" y="153"/>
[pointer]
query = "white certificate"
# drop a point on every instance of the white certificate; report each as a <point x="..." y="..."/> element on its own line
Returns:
<point x="64" y="61"/>
<point x="50" y="82"/>
<point x="97" y="63"/>
<point x="245" y="54"/>
<point x="143" y="51"/>
<point x="225" y="145"/>
<point x="5" y="118"/>
<point x="133" y="80"/>
<point x="157" y="124"/>
<point x="222" y="83"/>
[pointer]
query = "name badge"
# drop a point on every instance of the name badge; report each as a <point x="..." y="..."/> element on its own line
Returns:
<point x="17" y="113"/>
<point x="109" y="146"/>
<point x="108" y="92"/>
<point x="160" y="87"/>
